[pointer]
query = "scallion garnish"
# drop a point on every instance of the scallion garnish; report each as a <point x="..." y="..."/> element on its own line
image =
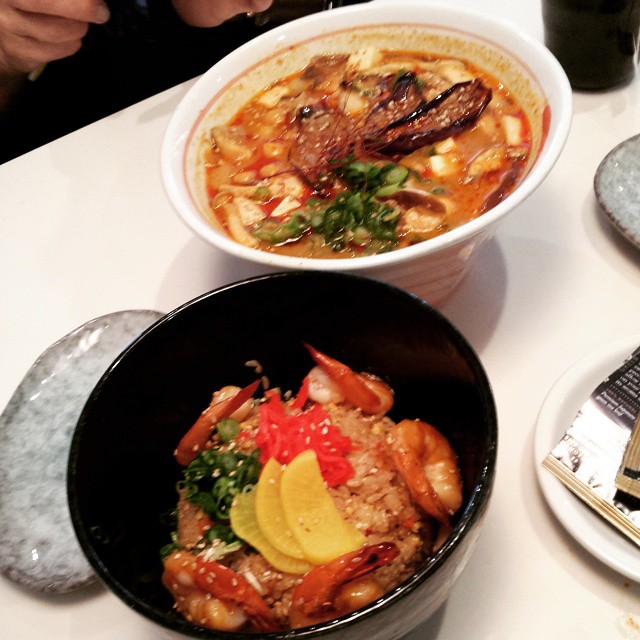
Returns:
<point x="354" y="217"/>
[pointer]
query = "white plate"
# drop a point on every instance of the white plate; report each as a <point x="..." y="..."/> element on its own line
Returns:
<point x="556" y="415"/>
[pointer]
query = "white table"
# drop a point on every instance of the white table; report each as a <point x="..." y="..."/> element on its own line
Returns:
<point x="86" y="229"/>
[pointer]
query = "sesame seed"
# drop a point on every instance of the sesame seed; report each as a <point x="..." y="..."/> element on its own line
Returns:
<point x="195" y="447"/>
<point x="234" y="582"/>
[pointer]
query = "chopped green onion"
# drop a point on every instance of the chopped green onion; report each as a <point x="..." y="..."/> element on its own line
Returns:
<point x="168" y="549"/>
<point x="281" y="232"/>
<point x="388" y="190"/>
<point x="262" y="193"/>
<point x="227" y="429"/>
<point x="396" y="175"/>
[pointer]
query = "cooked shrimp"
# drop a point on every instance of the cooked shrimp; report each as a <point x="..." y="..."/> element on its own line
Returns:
<point x="363" y="390"/>
<point x="213" y="596"/>
<point x="196" y="605"/>
<point x="340" y="586"/>
<point x="322" y="388"/>
<point x="227" y="392"/>
<point x="429" y="466"/>
<point x="197" y="437"/>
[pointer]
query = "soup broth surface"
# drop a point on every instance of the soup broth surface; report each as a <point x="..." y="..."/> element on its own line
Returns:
<point x="364" y="153"/>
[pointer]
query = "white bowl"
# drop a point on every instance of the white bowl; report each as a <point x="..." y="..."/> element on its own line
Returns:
<point x="435" y="266"/>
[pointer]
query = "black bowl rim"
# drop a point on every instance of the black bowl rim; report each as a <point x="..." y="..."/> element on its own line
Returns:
<point x="473" y="511"/>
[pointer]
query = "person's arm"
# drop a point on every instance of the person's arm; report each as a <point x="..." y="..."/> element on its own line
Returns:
<point x="211" y="13"/>
<point x="34" y="32"/>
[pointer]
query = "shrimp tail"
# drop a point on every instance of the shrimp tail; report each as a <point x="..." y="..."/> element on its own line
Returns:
<point x="198" y="435"/>
<point x="188" y="575"/>
<point x="319" y="586"/>
<point x="225" y="584"/>
<point x="420" y="488"/>
<point x="428" y="464"/>
<point x="353" y="386"/>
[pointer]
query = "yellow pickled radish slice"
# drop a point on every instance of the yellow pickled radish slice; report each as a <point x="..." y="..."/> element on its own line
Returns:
<point x="270" y="514"/>
<point x="311" y="513"/>
<point x="245" y="526"/>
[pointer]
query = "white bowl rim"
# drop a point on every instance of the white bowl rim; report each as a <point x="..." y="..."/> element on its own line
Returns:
<point x="376" y="13"/>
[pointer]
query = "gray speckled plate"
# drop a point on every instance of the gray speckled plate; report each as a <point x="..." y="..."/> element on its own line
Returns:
<point x="617" y="187"/>
<point x="39" y="548"/>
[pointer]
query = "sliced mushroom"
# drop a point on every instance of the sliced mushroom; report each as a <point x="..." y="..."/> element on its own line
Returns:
<point x="236" y="228"/>
<point x="286" y="184"/>
<point x="408" y="198"/>
<point x="233" y="145"/>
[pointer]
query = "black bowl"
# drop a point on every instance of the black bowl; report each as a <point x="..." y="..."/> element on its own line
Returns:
<point x="122" y="474"/>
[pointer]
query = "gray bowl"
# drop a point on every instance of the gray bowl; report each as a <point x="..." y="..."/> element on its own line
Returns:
<point x="617" y="187"/>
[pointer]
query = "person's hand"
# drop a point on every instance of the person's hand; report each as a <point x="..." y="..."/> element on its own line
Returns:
<point x="211" y="13"/>
<point x="34" y="32"/>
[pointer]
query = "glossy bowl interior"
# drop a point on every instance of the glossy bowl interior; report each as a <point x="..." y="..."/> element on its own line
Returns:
<point x="122" y="474"/>
<point x="525" y="66"/>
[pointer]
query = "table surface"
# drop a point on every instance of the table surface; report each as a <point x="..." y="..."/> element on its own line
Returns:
<point x="86" y="229"/>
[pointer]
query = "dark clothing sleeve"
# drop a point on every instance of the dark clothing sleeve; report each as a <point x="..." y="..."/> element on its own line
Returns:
<point x="143" y="49"/>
